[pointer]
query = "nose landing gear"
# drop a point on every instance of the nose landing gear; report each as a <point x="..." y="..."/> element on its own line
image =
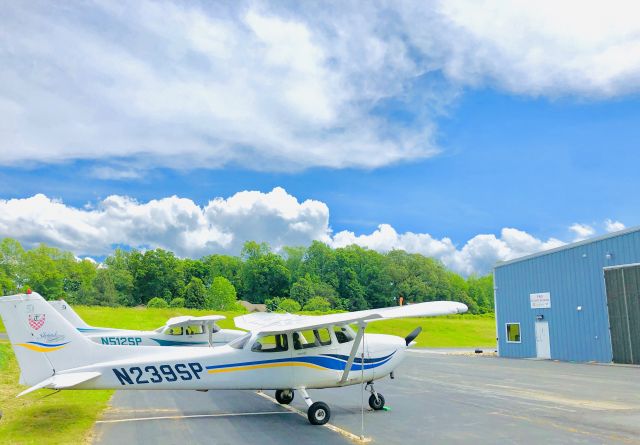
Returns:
<point x="376" y="400"/>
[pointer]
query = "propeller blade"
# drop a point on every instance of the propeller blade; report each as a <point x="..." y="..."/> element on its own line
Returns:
<point x="412" y="336"/>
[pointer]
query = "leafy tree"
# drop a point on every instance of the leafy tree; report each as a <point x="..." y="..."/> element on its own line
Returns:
<point x="264" y="274"/>
<point x="223" y="266"/>
<point x="157" y="302"/>
<point x="481" y="292"/>
<point x="118" y="266"/>
<point x="288" y="305"/>
<point x="157" y="272"/>
<point x="310" y="286"/>
<point x="317" y="304"/>
<point x="221" y="296"/>
<point x="177" y="302"/>
<point x="43" y="272"/>
<point x="195" y="294"/>
<point x="104" y="292"/>
<point x="12" y="266"/>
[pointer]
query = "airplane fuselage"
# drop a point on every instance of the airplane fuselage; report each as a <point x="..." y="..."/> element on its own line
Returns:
<point x="226" y="367"/>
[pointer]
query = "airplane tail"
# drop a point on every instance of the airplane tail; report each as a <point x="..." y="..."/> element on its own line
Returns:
<point x="43" y="341"/>
<point x="70" y="315"/>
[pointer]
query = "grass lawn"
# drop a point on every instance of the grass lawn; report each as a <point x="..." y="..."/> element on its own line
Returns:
<point x="445" y="332"/>
<point x="455" y="331"/>
<point x="63" y="418"/>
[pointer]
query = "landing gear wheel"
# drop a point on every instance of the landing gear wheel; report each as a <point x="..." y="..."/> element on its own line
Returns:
<point x="376" y="404"/>
<point x="284" y="397"/>
<point x="319" y="413"/>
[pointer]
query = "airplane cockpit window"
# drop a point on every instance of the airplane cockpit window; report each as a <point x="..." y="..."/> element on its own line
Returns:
<point x="215" y="328"/>
<point x="195" y="329"/>
<point x="343" y="334"/>
<point x="173" y="331"/>
<point x="311" y="338"/>
<point x="271" y="343"/>
<point x="239" y="342"/>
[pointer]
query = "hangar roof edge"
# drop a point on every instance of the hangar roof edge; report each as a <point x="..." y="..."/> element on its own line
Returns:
<point x="568" y="246"/>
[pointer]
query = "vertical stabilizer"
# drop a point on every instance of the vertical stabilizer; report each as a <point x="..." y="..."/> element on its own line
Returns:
<point x="70" y="315"/>
<point x="43" y="341"/>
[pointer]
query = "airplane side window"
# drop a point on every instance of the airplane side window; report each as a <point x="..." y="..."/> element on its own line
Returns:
<point x="311" y="338"/>
<point x="174" y="331"/>
<point x="195" y="329"/>
<point x="323" y="337"/>
<point x="343" y="335"/>
<point x="271" y="343"/>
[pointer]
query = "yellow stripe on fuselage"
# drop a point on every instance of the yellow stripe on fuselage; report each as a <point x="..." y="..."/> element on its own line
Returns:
<point x="267" y="365"/>
<point x="39" y="348"/>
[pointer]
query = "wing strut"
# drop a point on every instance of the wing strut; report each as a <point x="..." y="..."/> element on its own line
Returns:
<point x="354" y="351"/>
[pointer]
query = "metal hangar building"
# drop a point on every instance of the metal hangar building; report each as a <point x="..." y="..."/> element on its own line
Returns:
<point x="579" y="302"/>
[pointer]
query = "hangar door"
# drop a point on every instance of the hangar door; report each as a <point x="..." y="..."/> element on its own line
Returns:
<point x="623" y="301"/>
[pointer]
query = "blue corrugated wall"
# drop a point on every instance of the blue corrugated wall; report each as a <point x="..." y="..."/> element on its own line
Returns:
<point x="574" y="277"/>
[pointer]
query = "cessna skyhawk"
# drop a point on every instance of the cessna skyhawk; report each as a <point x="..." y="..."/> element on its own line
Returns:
<point x="178" y="331"/>
<point x="285" y="353"/>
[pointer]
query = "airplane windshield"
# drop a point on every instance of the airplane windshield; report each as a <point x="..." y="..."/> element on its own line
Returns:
<point x="343" y="334"/>
<point x="271" y="343"/>
<point x="174" y="331"/>
<point x="239" y="342"/>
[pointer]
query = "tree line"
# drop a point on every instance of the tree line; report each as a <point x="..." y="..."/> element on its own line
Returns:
<point x="316" y="277"/>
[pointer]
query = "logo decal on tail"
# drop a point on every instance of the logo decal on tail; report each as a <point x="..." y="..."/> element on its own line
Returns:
<point x="42" y="347"/>
<point x="36" y="321"/>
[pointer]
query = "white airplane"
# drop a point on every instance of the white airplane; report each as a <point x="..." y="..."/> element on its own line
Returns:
<point x="285" y="353"/>
<point x="178" y="331"/>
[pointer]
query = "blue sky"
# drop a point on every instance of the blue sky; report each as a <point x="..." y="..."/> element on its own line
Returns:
<point x="448" y="144"/>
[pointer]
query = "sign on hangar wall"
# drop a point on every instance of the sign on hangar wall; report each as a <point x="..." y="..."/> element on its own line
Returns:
<point x="541" y="300"/>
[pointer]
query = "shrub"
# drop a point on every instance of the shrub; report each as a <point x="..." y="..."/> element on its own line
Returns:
<point x="158" y="303"/>
<point x="177" y="302"/>
<point x="289" y="305"/>
<point x="317" y="304"/>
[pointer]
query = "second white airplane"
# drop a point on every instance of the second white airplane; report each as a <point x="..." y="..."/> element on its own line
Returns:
<point x="178" y="331"/>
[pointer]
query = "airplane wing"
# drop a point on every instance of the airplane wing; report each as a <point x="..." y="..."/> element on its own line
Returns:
<point x="186" y="320"/>
<point x="269" y="323"/>
<point x="62" y="381"/>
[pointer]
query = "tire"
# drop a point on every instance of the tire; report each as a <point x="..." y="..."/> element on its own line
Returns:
<point x="284" y="397"/>
<point x="378" y="404"/>
<point x="319" y="413"/>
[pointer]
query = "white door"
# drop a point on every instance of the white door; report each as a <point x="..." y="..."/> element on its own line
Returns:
<point x="543" y="349"/>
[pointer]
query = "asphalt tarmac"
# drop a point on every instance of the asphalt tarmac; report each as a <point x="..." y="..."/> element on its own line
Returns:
<point x="435" y="398"/>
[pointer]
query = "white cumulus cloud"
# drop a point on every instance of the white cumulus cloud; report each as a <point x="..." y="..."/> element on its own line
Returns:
<point x="270" y="86"/>
<point x="613" y="226"/>
<point x="224" y="224"/>
<point x="582" y="231"/>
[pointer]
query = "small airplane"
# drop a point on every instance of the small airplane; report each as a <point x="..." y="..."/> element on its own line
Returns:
<point x="178" y="331"/>
<point x="282" y="352"/>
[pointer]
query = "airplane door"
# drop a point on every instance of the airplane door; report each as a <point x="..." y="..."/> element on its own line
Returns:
<point x="312" y="358"/>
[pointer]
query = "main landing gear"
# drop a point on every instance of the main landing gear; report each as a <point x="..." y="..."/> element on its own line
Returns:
<point x="284" y="396"/>
<point x="318" y="413"/>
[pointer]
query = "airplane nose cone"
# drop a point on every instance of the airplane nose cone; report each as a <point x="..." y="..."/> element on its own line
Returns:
<point x="462" y="308"/>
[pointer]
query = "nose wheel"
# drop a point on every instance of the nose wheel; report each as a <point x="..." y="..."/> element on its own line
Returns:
<point x="376" y="400"/>
<point x="318" y="413"/>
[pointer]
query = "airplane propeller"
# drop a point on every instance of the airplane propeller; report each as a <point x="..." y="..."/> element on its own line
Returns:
<point x="412" y="336"/>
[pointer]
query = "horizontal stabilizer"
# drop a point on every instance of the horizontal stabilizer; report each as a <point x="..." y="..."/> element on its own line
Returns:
<point x="62" y="381"/>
